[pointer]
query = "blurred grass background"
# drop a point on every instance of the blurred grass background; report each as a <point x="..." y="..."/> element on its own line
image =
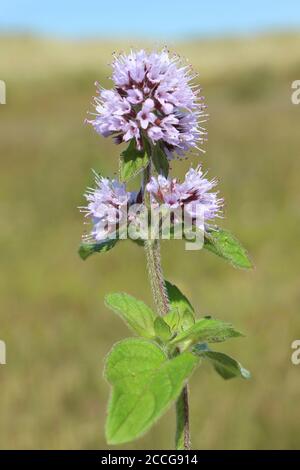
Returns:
<point x="56" y="328"/>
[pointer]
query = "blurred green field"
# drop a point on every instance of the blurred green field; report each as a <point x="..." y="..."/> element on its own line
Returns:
<point x="57" y="330"/>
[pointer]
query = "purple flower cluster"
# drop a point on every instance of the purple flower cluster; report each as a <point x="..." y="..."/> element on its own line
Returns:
<point x="107" y="208"/>
<point x="109" y="203"/>
<point x="152" y="98"/>
<point x="191" y="196"/>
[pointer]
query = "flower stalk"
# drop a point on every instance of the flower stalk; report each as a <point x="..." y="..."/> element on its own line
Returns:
<point x="160" y="296"/>
<point x="161" y="300"/>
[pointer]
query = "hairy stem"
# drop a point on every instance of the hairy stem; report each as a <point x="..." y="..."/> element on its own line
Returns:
<point x="160" y="297"/>
<point x="182" y="440"/>
<point x="156" y="277"/>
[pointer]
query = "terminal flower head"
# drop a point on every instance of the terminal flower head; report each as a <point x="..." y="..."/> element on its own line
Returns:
<point x="152" y="98"/>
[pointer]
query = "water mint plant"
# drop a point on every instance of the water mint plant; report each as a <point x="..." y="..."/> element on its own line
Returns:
<point x="156" y="109"/>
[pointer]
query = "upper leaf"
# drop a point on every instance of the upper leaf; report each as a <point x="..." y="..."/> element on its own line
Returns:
<point x="145" y="382"/>
<point x="181" y="304"/>
<point x="226" y="366"/>
<point x="88" y="249"/>
<point x="224" y="244"/>
<point x="132" y="161"/>
<point x="207" y="330"/>
<point x="137" y="315"/>
<point x="177" y="299"/>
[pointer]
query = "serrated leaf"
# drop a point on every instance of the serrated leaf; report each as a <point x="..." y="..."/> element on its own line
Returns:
<point x="132" y="161"/>
<point x="225" y="366"/>
<point x="207" y="330"/>
<point x="160" y="160"/>
<point x="162" y="329"/>
<point x="222" y="243"/>
<point x="144" y="384"/>
<point x="136" y="314"/>
<point x="88" y="249"/>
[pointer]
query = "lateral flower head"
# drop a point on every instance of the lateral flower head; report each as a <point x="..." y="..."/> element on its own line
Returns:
<point x="152" y="97"/>
<point x="107" y="208"/>
<point x="191" y="195"/>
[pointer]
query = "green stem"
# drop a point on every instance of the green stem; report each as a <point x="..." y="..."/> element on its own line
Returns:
<point x="160" y="296"/>
<point x="182" y="440"/>
<point x="156" y="277"/>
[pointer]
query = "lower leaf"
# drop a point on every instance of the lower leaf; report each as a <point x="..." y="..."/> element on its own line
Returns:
<point x="88" y="249"/>
<point x="225" y="366"/>
<point x="144" y="384"/>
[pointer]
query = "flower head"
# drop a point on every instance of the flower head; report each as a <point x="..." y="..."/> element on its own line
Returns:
<point x="107" y="207"/>
<point x="152" y="97"/>
<point x="194" y="193"/>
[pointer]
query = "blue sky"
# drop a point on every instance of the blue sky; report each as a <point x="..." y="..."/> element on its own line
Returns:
<point x="148" y="18"/>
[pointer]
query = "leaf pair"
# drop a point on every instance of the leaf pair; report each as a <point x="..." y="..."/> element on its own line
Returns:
<point x="216" y="240"/>
<point x="142" y="320"/>
<point x="178" y="327"/>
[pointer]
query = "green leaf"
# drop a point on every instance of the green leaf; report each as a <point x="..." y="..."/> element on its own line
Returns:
<point x="88" y="249"/>
<point x="137" y="315"/>
<point x="225" y="366"/>
<point x="224" y="244"/>
<point x="144" y="384"/>
<point x="160" y="160"/>
<point x="162" y="329"/>
<point x="208" y="330"/>
<point x="187" y="320"/>
<point x="132" y="161"/>
<point x="173" y="320"/>
<point x="180" y="303"/>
